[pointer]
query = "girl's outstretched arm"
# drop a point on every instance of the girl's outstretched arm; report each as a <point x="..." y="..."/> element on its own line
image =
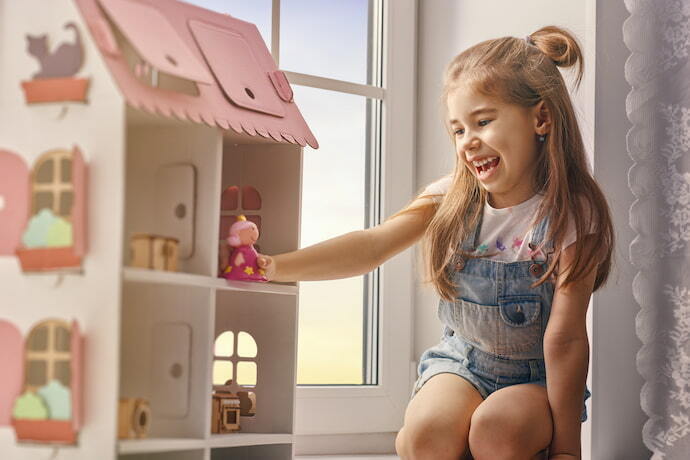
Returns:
<point x="353" y="253"/>
<point x="566" y="353"/>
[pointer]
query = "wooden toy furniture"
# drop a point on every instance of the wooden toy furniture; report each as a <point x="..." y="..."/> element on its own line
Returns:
<point x="154" y="252"/>
<point x="225" y="412"/>
<point x="181" y="104"/>
<point x="133" y="418"/>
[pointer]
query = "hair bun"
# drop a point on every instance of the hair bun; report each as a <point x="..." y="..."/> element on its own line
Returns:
<point x="560" y="45"/>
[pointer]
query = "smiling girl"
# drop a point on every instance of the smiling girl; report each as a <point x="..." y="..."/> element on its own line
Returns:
<point x="516" y="239"/>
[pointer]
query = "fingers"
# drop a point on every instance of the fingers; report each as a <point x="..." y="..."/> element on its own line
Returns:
<point x="263" y="261"/>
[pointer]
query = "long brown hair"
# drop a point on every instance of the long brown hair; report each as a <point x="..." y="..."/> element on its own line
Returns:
<point x="524" y="74"/>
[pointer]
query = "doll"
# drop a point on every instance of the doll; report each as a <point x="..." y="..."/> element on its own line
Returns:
<point x="243" y="267"/>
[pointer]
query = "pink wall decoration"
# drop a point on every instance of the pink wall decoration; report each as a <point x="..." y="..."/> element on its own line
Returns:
<point x="44" y="428"/>
<point x="77" y="370"/>
<point x="55" y="80"/>
<point x="36" y="259"/>
<point x="14" y="200"/>
<point x="11" y="368"/>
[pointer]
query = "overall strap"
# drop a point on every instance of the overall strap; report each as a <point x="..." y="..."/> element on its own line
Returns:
<point x="539" y="234"/>
<point x="470" y="242"/>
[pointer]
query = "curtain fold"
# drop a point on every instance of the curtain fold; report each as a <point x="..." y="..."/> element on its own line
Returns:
<point x="657" y="33"/>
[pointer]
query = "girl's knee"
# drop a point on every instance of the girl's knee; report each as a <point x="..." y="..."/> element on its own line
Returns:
<point x="426" y="441"/>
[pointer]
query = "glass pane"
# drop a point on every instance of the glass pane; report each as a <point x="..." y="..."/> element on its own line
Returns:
<point x="66" y="170"/>
<point x="38" y="340"/>
<point x="222" y="372"/>
<point x="62" y="372"/>
<point x="66" y="200"/>
<point x="333" y="202"/>
<point x="36" y="373"/>
<point x="43" y="200"/>
<point x="225" y="344"/>
<point x="246" y="374"/>
<point x="328" y="38"/>
<point x="246" y="345"/>
<point x="44" y="175"/>
<point x="62" y="339"/>
<point x="257" y="12"/>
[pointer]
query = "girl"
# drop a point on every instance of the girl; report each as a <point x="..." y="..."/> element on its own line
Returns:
<point x="516" y="239"/>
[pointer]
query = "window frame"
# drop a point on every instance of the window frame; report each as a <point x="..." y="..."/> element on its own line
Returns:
<point x="56" y="187"/>
<point x="50" y="356"/>
<point x="384" y="404"/>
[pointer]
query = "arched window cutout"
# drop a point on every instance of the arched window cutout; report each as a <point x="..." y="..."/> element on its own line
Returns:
<point x="246" y="345"/>
<point x="225" y="344"/>
<point x="48" y="354"/>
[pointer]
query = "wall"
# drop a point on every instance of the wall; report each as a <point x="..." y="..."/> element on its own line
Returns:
<point x="618" y="417"/>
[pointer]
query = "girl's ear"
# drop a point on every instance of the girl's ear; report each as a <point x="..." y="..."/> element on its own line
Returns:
<point x="542" y="118"/>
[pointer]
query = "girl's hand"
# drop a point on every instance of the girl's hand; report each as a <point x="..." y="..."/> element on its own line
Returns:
<point x="268" y="265"/>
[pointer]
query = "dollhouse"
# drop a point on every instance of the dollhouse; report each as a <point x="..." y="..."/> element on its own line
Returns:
<point x="127" y="126"/>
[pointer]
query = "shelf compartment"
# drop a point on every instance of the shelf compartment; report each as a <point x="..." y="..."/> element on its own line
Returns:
<point x="268" y="193"/>
<point x="166" y="332"/>
<point x="271" y="321"/>
<point x="264" y="452"/>
<point x="142" y="275"/>
<point x="171" y="189"/>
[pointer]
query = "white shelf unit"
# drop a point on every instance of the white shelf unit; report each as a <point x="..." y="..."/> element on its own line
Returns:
<point x="170" y="320"/>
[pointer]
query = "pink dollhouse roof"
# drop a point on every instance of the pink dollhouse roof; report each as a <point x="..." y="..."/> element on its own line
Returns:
<point x="239" y="85"/>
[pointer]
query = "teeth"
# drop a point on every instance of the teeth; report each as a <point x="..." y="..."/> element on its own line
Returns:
<point x="483" y="162"/>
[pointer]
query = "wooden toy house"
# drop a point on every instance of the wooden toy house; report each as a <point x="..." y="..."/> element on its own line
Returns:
<point x="174" y="120"/>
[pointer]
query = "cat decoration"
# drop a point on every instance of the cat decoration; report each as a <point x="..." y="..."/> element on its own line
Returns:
<point x="56" y="79"/>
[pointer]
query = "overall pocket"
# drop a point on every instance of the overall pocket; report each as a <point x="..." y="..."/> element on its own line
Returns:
<point x="520" y="325"/>
<point x="475" y="323"/>
<point x="512" y="326"/>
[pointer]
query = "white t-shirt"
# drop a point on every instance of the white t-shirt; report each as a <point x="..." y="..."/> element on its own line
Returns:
<point x="506" y="231"/>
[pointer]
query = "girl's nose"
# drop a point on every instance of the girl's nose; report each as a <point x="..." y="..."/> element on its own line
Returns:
<point x="469" y="143"/>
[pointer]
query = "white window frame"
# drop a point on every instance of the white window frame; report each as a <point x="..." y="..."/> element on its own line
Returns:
<point x="337" y="410"/>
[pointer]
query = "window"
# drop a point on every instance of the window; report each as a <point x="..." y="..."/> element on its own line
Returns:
<point x="52" y="183"/>
<point x="225" y="361"/>
<point x="48" y="354"/>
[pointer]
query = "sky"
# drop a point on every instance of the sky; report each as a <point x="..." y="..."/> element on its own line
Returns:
<point x="327" y="38"/>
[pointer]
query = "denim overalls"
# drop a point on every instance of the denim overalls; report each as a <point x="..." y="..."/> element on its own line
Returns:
<point x="493" y="333"/>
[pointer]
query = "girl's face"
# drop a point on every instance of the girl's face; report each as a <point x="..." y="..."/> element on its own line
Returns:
<point x="505" y="135"/>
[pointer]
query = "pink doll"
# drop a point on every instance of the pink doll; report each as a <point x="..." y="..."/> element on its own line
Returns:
<point x="243" y="267"/>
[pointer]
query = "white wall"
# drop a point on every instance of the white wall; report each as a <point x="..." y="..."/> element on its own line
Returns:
<point x="618" y="417"/>
<point x="446" y="28"/>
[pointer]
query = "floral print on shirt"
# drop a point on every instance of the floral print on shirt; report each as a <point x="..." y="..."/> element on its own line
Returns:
<point x="499" y="245"/>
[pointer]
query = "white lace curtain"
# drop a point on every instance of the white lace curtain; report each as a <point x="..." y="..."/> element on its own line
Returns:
<point x="657" y="33"/>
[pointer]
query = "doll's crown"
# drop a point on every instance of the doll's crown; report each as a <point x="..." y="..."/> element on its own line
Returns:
<point x="241" y="217"/>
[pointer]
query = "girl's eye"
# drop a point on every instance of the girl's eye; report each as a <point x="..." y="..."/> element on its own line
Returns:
<point x="459" y="131"/>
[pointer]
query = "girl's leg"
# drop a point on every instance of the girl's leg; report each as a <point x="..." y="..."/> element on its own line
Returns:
<point x="513" y="423"/>
<point x="437" y="420"/>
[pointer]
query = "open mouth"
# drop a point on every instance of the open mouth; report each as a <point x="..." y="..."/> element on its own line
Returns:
<point x="486" y="167"/>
